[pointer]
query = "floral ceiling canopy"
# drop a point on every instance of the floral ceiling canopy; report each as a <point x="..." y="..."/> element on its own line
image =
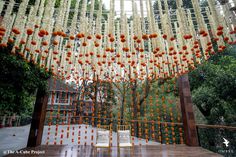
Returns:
<point x="84" y="45"/>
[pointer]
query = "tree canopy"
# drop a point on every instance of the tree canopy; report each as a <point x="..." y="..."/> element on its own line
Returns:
<point x="19" y="81"/>
<point x="213" y="87"/>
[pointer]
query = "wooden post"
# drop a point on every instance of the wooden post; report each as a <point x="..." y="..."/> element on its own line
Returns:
<point x="38" y="118"/>
<point x="190" y="130"/>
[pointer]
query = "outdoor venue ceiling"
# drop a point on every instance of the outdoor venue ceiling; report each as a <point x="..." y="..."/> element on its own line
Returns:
<point x="81" y="44"/>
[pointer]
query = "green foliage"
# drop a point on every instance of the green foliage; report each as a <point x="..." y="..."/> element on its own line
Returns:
<point x="18" y="83"/>
<point x="172" y="5"/>
<point x="103" y="97"/>
<point x="213" y="87"/>
<point x="156" y="91"/>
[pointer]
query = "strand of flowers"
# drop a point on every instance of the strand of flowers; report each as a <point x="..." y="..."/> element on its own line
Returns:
<point x="229" y="31"/>
<point x="69" y="117"/>
<point x="47" y="24"/>
<point x="157" y="105"/>
<point x="50" y="119"/>
<point x="190" y="39"/>
<point x="146" y="58"/>
<point x="58" y="117"/>
<point x="68" y="46"/>
<point x="203" y="31"/>
<point x="7" y="22"/>
<point x="229" y="15"/>
<point x="36" y="37"/>
<point x="126" y="49"/>
<point x="132" y="117"/>
<point x="139" y="123"/>
<point x="72" y="44"/>
<point x="134" y="34"/>
<point x="151" y="110"/>
<point x="146" y="125"/>
<point x="39" y="41"/>
<point x="73" y="100"/>
<point x="217" y="39"/>
<point x="187" y="58"/>
<point x="26" y="40"/>
<point x="179" y="53"/>
<point x="19" y="16"/>
<point x="195" y="48"/>
<point x="1" y="5"/>
<point x="153" y="35"/>
<point x="142" y="17"/>
<point x="93" y="114"/>
<point x="122" y="17"/>
<point x="18" y="25"/>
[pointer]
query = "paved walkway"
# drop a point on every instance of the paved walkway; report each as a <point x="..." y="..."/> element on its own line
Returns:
<point x="13" y="138"/>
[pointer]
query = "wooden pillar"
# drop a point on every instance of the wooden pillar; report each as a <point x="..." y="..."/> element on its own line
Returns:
<point x="190" y="131"/>
<point x="38" y="118"/>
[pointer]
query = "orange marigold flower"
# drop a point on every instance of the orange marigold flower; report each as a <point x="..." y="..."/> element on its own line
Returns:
<point x="44" y="43"/>
<point x="33" y="42"/>
<point x="55" y="42"/>
<point x="98" y="36"/>
<point x="122" y="36"/>
<point x="164" y="36"/>
<point x="29" y="31"/>
<point x="72" y="37"/>
<point x="112" y="39"/>
<point x="89" y="37"/>
<point x="84" y="44"/>
<point x="123" y="40"/>
<point x="135" y="37"/>
<point x="16" y="31"/>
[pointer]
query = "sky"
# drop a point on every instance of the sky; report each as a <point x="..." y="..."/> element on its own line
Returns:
<point x="127" y="5"/>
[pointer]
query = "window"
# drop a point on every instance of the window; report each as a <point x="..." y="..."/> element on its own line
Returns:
<point x="62" y="98"/>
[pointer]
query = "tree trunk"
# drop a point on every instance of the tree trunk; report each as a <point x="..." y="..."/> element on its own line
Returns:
<point x="122" y="110"/>
<point x="123" y="103"/>
<point x="96" y="102"/>
<point x="135" y="106"/>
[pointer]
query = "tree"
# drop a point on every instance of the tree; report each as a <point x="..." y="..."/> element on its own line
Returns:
<point x="102" y="95"/>
<point x="213" y="87"/>
<point x="172" y="5"/>
<point x="19" y="81"/>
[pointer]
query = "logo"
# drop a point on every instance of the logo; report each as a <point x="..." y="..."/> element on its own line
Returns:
<point x="226" y="142"/>
<point x="226" y="149"/>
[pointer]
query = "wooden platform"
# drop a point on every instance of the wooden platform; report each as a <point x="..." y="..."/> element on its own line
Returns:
<point x="136" y="151"/>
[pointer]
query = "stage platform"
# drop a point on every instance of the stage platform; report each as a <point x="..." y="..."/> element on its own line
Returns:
<point x="136" y="151"/>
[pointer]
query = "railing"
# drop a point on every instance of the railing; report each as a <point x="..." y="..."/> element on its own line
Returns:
<point x="9" y="121"/>
<point x="58" y="101"/>
<point x="63" y="101"/>
<point x="218" y="138"/>
<point x="162" y="132"/>
<point x="211" y="137"/>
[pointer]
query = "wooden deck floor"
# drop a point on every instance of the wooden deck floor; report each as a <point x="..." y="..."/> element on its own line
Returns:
<point x="136" y="151"/>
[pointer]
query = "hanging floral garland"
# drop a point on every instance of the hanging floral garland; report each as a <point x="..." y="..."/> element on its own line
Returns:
<point x="117" y="49"/>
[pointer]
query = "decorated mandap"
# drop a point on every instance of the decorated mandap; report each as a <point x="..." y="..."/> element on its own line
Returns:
<point x="117" y="51"/>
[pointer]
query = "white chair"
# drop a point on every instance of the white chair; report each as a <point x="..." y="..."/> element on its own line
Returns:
<point x="103" y="136"/>
<point x="124" y="136"/>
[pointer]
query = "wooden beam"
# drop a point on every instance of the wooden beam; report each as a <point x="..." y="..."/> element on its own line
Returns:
<point x="190" y="130"/>
<point x="38" y="118"/>
<point x="216" y="126"/>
